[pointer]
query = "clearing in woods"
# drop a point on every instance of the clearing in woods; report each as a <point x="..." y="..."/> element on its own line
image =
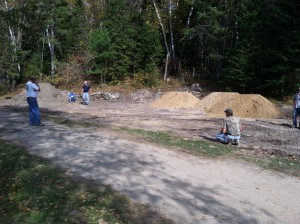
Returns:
<point x="183" y="187"/>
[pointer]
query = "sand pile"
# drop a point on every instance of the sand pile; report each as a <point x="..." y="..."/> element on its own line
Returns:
<point x="48" y="95"/>
<point x="243" y="105"/>
<point x="175" y="100"/>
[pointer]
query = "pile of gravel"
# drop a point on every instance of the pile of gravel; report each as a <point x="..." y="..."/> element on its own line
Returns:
<point x="48" y="95"/>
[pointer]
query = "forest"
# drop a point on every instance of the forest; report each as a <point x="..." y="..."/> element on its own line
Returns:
<point x="248" y="46"/>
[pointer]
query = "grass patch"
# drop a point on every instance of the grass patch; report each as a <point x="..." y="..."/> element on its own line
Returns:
<point x="69" y="122"/>
<point x="199" y="147"/>
<point x="33" y="191"/>
<point x="210" y="149"/>
<point x="276" y="162"/>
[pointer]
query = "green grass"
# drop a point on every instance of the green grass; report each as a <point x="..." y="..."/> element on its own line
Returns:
<point x="199" y="147"/>
<point x="33" y="191"/>
<point x="210" y="149"/>
<point x="195" y="146"/>
<point x="278" y="163"/>
<point x="69" y="122"/>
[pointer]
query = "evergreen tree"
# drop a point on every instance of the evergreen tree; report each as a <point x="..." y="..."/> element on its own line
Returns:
<point x="125" y="45"/>
<point x="205" y="41"/>
<point x="100" y="46"/>
<point x="281" y="59"/>
<point x="266" y="56"/>
<point x="244" y="59"/>
<point x="43" y="33"/>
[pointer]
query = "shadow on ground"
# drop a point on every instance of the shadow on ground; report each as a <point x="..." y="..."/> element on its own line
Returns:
<point x="144" y="173"/>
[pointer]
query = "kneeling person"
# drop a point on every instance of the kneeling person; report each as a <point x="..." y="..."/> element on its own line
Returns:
<point x="72" y="97"/>
<point x="231" y="129"/>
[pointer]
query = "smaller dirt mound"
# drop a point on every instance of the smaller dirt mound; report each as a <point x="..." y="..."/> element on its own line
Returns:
<point x="175" y="100"/>
<point x="243" y="105"/>
<point x="141" y="95"/>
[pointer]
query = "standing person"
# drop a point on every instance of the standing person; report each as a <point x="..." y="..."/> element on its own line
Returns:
<point x="86" y="93"/>
<point x="32" y="89"/>
<point x="296" y="111"/>
<point x="231" y="129"/>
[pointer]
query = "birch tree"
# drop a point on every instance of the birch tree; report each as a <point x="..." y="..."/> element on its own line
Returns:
<point x="190" y="14"/>
<point x="15" y="29"/>
<point x="50" y="39"/>
<point x="165" y="39"/>
<point x="59" y="27"/>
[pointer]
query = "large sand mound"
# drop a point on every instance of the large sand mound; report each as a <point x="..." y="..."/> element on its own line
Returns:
<point x="48" y="95"/>
<point x="243" y="105"/>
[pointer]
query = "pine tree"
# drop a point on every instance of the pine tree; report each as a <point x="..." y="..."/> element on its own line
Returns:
<point x="125" y="45"/>
<point x="243" y="60"/>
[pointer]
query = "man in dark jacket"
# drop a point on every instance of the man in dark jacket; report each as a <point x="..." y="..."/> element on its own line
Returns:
<point x="86" y="93"/>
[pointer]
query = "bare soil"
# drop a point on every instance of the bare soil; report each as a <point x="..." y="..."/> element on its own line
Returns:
<point x="182" y="187"/>
<point x="267" y="128"/>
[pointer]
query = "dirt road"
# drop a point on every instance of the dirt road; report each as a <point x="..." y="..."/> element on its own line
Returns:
<point x="183" y="187"/>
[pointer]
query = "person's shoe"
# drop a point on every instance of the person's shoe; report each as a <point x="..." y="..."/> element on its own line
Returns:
<point x="41" y="124"/>
<point x="235" y="142"/>
<point x="228" y="142"/>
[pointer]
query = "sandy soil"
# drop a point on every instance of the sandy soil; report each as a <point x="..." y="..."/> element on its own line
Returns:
<point x="185" y="188"/>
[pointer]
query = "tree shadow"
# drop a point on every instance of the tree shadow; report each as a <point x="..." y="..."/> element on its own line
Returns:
<point x="145" y="173"/>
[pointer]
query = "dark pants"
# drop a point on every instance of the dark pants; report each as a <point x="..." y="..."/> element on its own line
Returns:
<point x="34" y="111"/>
<point x="296" y="113"/>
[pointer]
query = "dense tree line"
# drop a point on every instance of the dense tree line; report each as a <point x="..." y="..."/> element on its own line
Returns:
<point x="250" y="46"/>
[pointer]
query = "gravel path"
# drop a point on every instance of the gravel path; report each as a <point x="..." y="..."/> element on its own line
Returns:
<point x="183" y="187"/>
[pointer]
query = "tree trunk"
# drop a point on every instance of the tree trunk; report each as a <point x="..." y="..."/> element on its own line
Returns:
<point x="50" y="38"/>
<point x="15" y="38"/>
<point x="166" y="67"/>
<point x="190" y="14"/>
<point x="172" y="37"/>
<point x="165" y="39"/>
